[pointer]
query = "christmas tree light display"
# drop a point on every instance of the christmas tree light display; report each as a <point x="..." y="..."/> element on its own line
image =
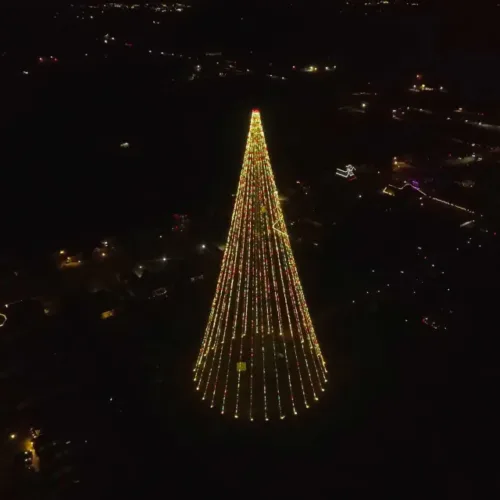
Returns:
<point x="259" y="358"/>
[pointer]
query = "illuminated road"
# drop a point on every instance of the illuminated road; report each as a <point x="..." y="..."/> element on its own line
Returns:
<point x="406" y="184"/>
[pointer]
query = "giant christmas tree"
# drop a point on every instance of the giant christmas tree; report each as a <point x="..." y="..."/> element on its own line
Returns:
<point x="259" y="357"/>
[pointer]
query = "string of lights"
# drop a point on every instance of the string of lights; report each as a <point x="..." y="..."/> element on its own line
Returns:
<point x="406" y="184"/>
<point x="259" y="351"/>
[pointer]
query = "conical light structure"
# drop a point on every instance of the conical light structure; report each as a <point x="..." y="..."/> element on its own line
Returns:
<point x="259" y="358"/>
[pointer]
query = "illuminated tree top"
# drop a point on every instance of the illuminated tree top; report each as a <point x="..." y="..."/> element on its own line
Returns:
<point x="259" y="357"/>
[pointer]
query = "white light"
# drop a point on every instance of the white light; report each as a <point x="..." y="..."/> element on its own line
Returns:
<point x="347" y="173"/>
<point x="164" y="259"/>
<point x="203" y="246"/>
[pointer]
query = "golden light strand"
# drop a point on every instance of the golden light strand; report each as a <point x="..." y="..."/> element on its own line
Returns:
<point x="247" y="208"/>
<point x="246" y="300"/>
<point x="227" y="306"/>
<point x="232" y="249"/>
<point x="221" y="284"/>
<point x="280" y="267"/>
<point x="267" y="289"/>
<point x="290" y="274"/>
<point x="297" y="317"/>
<point x="310" y="334"/>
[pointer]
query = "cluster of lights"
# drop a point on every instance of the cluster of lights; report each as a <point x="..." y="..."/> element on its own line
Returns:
<point x="416" y="188"/>
<point x="160" y="8"/>
<point x="483" y="125"/>
<point x="315" y="69"/>
<point x="468" y="223"/>
<point x="347" y="172"/>
<point x="260" y="357"/>
<point x="425" y="320"/>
